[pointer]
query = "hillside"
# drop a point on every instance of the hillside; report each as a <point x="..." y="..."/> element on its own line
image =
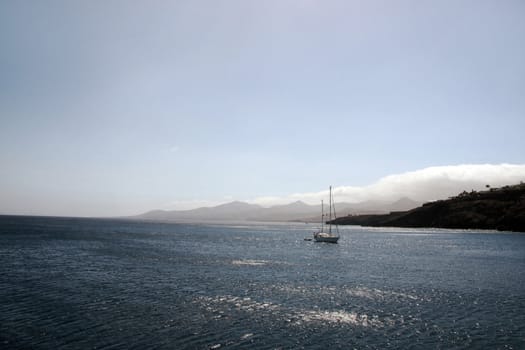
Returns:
<point x="496" y="209"/>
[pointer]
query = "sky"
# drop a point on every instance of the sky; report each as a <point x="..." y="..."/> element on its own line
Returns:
<point x="117" y="107"/>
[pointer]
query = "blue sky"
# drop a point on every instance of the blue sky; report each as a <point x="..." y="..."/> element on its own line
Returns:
<point x="117" y="107"/>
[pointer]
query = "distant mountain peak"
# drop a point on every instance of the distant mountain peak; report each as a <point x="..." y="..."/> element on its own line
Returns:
<point x="236" y="204"/>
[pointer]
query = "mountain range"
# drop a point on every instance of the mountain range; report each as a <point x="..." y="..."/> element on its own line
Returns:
<point x="296" y="211"/>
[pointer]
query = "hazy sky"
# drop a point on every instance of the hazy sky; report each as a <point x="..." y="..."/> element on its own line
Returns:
<point x="118" y="107"/>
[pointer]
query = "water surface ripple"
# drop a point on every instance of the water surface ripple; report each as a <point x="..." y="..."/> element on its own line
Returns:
<point x="110" y="284"/>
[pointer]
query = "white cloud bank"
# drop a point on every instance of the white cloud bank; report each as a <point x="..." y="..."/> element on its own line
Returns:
<point x="427" y="184"/>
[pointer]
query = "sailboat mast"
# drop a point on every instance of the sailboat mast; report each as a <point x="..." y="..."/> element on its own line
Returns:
<point x="322" y="215"/>
<point x="330" y="215"/>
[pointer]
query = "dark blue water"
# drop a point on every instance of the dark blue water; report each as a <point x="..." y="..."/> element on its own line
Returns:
<point x="87" y="283"/>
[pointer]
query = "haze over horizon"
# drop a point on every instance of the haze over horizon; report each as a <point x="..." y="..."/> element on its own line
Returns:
<point x="116" y="108"/>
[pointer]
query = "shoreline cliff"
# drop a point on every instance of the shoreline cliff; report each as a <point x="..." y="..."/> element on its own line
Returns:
<point x="500" y="209"/>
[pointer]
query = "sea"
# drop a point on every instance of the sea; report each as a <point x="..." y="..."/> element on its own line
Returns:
<point x="75" y="283"/>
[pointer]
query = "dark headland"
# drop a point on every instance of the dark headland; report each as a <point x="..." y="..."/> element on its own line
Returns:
<point x="495" y="209"/>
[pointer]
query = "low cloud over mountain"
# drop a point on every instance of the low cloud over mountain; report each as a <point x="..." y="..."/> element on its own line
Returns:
<point x="421" y="185"/>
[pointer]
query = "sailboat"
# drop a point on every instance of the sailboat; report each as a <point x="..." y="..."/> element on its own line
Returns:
<point x="321" y="235"/>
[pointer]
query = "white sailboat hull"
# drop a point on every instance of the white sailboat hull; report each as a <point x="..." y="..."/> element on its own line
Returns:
<point x="325" y="237"/>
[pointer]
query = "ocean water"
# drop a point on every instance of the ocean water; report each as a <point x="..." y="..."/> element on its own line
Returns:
<point x="100" y="284"/>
